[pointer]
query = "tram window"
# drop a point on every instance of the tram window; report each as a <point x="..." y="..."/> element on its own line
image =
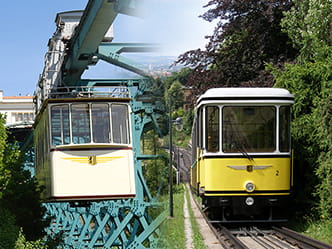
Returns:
<point x="200" y="128"/>
<point x="249" y="129"/>
<point x="100" y="123"/>
<point x="284" y="129"/>
<point x="60" y="124"/>
<point x="212" y="128"/>
<point x="119" y="124"/>
<point x="80" y="123"/>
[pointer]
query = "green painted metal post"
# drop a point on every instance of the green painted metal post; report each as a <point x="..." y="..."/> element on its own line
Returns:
<point x="170" y="160"/>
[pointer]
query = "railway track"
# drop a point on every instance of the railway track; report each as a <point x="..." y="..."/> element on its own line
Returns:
<point x="272" y="238"/>
<point x="254" y="237"/>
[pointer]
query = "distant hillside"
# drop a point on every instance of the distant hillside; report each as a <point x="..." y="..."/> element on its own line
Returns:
<point x="156" y="66"/>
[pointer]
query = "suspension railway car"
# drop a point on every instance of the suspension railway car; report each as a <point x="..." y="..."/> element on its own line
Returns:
<point x="83" y="147"/>
<point x="242" y="160"/>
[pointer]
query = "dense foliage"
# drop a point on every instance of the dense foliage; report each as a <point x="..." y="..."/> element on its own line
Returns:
<point x="19" y="197"/>
<point x="247" y="36"/>
<point x="156" y="170"/>
<point x="308" y="23"/>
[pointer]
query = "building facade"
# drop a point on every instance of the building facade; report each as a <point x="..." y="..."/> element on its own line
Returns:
<point x="18" y="110"/>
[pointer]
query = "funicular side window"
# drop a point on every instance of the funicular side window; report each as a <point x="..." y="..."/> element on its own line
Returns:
<point x="200" y="128"/>
<point x="212" y="128"/>
<point x="100" y="123"/>
<point x="60" y="125"/>
<point x="80" y="123"/>
<point x="120" y="124"/>
<point x="284" y="129"/>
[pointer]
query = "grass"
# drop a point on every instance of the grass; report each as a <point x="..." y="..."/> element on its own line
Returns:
<point x="320" y="229"/>
<point x="173" y="236"/>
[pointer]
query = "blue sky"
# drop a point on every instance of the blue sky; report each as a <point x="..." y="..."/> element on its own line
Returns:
<point x="27" y="26"/>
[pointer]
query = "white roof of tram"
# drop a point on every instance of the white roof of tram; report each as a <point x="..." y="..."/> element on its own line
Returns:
<point x="246" y="94"/>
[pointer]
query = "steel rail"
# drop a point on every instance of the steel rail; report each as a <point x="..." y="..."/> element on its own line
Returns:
<point x="257" y="239"/>
<point x="274" y="241"/>
<point x="234" y="242"/>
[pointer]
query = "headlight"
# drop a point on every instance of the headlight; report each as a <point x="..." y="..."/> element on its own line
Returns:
<point x="250" y="201"/>
<point x="249" y="186"/>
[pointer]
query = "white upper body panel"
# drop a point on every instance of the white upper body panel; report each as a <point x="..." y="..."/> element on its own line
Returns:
<point x="246" y="95"/>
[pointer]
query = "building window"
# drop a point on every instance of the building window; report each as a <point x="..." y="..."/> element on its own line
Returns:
<point x="26" y="117"/>
<point x="19" y="117"/>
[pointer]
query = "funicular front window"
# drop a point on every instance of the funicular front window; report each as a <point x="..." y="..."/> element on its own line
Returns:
<point x="80" y="123"/>
<point x="60" y="125"/>
<point x="119" y="124"/>
<point x="101" y="123"/>
<point x="249" y="129"/>
<point x="89" y="122"/>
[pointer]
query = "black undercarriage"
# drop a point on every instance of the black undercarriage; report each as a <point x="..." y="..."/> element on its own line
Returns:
<point x="232" y="209"/>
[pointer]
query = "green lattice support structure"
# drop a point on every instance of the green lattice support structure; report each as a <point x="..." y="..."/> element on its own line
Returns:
<point x="128" y="223"/>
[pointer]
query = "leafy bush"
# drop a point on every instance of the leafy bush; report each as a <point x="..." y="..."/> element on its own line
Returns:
<point x="19" y="195"/>
<point x="311" y="130"/>
<point x="8" y="230"/>
<point x="310" y="79"/>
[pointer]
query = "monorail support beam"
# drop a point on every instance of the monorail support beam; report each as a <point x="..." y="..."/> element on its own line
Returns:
<point x="96" y="20"/>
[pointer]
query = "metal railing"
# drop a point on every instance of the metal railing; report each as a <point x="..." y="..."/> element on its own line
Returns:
<point x="80" y="92"/>
<point x="89" y="92"/>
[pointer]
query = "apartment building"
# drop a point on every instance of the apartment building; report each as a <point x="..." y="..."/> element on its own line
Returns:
<point x="18" y="110"/>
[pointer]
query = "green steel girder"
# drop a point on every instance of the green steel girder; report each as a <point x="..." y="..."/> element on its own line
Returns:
<point x="111" y="53"/>
<point x="107" y="224"/>
<point x="109" y="82"/>
<point x="96" y="20"/>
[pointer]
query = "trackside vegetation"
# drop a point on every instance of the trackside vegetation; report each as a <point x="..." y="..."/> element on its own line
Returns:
<point x="20" y="210"/>
<point x="308" y="24"/>
<point x="173" y="230"/>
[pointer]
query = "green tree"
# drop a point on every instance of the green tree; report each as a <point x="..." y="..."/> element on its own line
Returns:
<point x="308" y="24"/>
<point x="247" y="36"/>
<point x="19" y="196"/>
<point x="4" y="172"/>
<point x="175" y="94"/>
<point x="155" y="171"/>
<point x="181" y="76"/>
